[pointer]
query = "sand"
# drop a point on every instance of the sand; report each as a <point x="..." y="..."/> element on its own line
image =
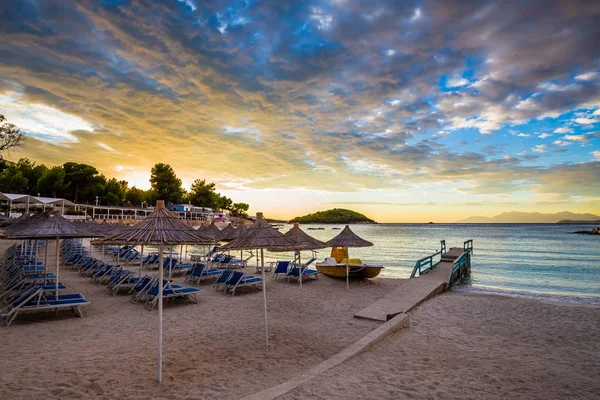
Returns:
<point x="462" y="345"/>
<point x="472" y="346"/>
<point x="213" y="349"/>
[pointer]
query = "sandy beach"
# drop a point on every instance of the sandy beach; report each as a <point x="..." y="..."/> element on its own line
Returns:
<point x="471" y="346"/>
<point x="459" y="345"/>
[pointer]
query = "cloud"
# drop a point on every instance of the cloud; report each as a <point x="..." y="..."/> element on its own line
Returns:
<point x="587" y="76"/>
<point x="586" y="121"/>
<point x="561" y="143"/>
<point x="379" y="203"/>
<point x="596" y="154"/>
<point x="563" y="130"/>
<point x="577" y="138"/>
<point x="523" y="135"/>
<point x="540" y="148"/>
<point x="258" y="87"/>
<point x="456" y="82"/>
<point x="544" y="135"/>
<point x="43" y="122"/>
<point x="416" y="15"/>
<point x="108" y="148"/>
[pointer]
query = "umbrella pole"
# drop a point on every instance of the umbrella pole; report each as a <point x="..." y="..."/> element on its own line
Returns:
<point x="57" y="266"/>
<point x="46" y="262"/>
<point x="300" y="274"/>
<point x="180" y="254"/>
<point x="170" y="262"/>
<point x="347" y="271"/>
<point x="264" y="278"/>
<point x="35" y="245"/>
<point x="160" y="310"/>
<point x="347" y="275"/>
<point x="118" y="254"/>
<point x="102" y="255"/>
<point x="141" y="260"/>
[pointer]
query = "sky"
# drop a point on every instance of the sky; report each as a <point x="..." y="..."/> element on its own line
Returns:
<point x="406" y="111"/>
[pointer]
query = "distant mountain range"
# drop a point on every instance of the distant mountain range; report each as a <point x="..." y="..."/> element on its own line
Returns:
<point x="515" y="217"/>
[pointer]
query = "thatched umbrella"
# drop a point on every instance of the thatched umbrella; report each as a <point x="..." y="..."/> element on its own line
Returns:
<point x="303" y="242"/>
<point x="261" y="235"/>
<point x="347" y="238"/>
<point x="228" y="233"/>
<point x="51" y="227"/>
<point x="212" y="231"/>
<point x="160" y="228"/>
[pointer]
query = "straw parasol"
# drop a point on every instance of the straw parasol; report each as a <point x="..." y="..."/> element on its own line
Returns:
<point x="228" y="233"/>
<point x="56" y="227"/>
<point x="303" y="242"/>
<point x="347" y="238"/>
<point x="261" y="235"/>
<point x="160" y="228"/>
<point x="212" y="231"/>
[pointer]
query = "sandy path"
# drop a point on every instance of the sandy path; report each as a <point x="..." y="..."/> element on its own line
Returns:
<point x="214" y="349"/>
<point x="476" y="347"/>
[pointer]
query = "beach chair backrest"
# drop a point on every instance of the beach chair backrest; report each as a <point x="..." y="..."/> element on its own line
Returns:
<point x="282" y="267"/>
<point x="197" y="269"/>
<point x="235" y="278"/>
<point x="25" y="296"/>
<point x="224" y="277"/>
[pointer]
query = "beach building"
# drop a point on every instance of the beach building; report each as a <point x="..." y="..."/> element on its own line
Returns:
<point x="15" y="205"/>
<point x="188" y="211"/>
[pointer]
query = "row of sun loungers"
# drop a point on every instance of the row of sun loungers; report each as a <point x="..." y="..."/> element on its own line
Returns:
<point x="27" y="287"/>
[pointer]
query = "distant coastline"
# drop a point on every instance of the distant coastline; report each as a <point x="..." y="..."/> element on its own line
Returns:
<point x="515" y="217"/>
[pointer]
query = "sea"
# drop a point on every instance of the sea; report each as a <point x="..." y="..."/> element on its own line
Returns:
<point x="545" y="261"/>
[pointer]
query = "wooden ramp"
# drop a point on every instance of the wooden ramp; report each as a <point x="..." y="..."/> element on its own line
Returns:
<point x="413" y="291"/>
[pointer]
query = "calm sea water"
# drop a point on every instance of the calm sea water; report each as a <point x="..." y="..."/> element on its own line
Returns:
<point x="541" y="260"/>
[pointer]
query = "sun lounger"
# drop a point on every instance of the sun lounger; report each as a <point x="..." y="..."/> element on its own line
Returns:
<point x="294" y="273"/>
<point x="281" y="267"/>
<point x="170" y="291"/>
<point x="222" y="279"/>
<point x="33" y="299"/>
<point x="199" y="271"/>
<point x="239" y="280"/>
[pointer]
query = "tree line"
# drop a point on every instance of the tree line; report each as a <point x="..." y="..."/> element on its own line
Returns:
<point x="81" y="183"/>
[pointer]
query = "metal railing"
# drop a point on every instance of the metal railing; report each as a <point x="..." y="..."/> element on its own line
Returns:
<point x="463" y="261"/>
<point x="468" y="245"/>
<point x="426" y="264"/>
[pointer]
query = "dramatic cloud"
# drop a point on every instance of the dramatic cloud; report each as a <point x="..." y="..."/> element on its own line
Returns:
<point x="335" y="97"/>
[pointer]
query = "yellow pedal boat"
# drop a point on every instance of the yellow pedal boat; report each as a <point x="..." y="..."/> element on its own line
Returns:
<point x="335" y="266"/>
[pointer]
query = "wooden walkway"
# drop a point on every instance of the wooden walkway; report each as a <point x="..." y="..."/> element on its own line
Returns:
<point x="414" y="291"/>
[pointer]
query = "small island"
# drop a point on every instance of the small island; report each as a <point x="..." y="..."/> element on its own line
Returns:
<point x="334" y="216"/>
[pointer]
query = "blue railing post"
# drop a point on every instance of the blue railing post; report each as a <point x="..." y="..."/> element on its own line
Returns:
<point x="443" y="247"/>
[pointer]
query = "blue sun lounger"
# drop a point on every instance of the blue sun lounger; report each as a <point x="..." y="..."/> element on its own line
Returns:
<point x="281" y="267"/>
<point x="33" y="299"/>
<point x="239" y="280"/>
<point x="199" y="271"/>
<point x="222" y="279"/>
<point x="170" y="291"/>
<point x="306" y="273"/>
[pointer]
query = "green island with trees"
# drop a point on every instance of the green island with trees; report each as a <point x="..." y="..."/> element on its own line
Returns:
<point x="334" y="216"/>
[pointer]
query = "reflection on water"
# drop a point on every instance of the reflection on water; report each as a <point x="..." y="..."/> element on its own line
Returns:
<point x="535" y="259"/>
